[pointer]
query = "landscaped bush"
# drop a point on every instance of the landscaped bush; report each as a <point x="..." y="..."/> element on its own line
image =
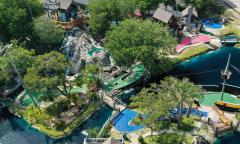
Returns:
<point x="106" y="132"/>
<point x="35" y="115"/>
<point x="60" y="124"/>
<point x="167" y="138"/>
<point x="187" y="124"/>
<point x="70" y="127"/>
<point x="57" y="107"/>
<point x="93" y="132"/>
<point x="141" y="140"/>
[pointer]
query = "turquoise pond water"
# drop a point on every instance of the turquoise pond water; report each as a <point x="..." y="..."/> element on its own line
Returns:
<point x="15" y="130"/>
<point x="206" y="69"/>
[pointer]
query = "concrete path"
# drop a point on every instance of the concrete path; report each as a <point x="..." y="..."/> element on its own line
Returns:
<point x="233" y="6"/>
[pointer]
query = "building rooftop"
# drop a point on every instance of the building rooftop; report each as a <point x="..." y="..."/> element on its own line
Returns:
<point x="185" y="11"/>
<point x="162" y="15"/>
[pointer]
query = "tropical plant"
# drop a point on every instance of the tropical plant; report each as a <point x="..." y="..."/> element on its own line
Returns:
<point x="181" y="91"/>
<point x="89" y="77"/>
<point x="155" y="105"/>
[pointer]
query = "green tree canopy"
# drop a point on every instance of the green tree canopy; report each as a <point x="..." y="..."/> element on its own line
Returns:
<point x="47" y="75"/>
<point x="103" y="12"/>
<point x="89" y="77"/>
<point x="140" y="40"/>
<point x="145" y="5"/>
<point x="158" y="99"/>
<point x="152" y="102"/>
<point x="181" y="91"/>
<point x="16" y="18"/>
<point x="49" y="34"/>
<point x="21" y="57"/>
<point x="207" y="7"/>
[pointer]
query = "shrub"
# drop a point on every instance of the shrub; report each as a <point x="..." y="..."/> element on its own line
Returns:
<point x="168" y="138"/>
<point x="106" y="131"/>
<point x="141" y="140"/>
<point x="35" y="115"/>
<point x="59" y="124"/>
<point x="93" y="132"/>
<point x="57" y="107"/>
<point x="187" y="124"/>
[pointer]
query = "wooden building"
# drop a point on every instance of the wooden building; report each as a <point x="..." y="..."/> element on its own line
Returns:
<point x="67" y="13"/>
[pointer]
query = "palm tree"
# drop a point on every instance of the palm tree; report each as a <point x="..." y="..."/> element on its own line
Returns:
<point x="194" y="92"/>
<point x="88" y="78"/>
<point x="180" y="92"/>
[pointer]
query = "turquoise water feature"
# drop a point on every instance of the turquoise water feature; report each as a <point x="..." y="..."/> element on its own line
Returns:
<point x="206" y="69"/>
<point x="90" y="52"/>
<point x="122" y="123"/>
<point x="14" y="130"/>
<point x="203" y="70"/>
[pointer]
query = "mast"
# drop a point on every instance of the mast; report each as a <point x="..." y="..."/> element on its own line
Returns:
<point x="226" y="74"/>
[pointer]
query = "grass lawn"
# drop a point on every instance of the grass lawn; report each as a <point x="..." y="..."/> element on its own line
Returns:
<point x="230" y="29"/>
<point x="192" y="51"/>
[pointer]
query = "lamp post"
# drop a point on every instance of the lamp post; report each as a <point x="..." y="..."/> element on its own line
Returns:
<point x="225" y="74"/>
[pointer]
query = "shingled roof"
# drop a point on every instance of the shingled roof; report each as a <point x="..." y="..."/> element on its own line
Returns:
<point x="185" y="11"/>
<point x="162" y="15"/>
<point x="83" y="2"/>
<point x="65" y="4"/>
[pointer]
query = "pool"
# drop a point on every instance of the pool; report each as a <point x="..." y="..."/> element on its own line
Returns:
<point x="93" y="50"/>
<point x="209" y="23"/>
<point x="14" y="130"/>
<point x="122" y="122"/>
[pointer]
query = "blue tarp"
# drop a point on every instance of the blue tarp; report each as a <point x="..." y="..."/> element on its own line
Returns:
<point x="211" y="24"/>
<point x="192" y="112"/>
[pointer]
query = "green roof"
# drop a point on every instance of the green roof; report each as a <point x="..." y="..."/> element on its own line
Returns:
<point x="125" y="79"/>
<point x="209" y="99"/>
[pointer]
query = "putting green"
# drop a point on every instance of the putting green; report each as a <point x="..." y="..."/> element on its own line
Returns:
<point x="211" y="99"/>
